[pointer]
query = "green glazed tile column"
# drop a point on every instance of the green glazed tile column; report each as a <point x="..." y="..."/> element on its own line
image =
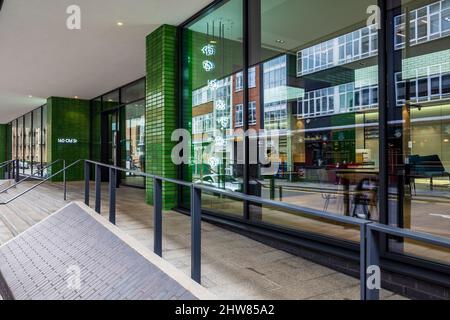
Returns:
<point x="161" y="110"/>
<point x="68" y="134"/>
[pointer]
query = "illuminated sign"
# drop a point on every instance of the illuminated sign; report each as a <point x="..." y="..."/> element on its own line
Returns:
<point x="209" y="50"/>
<point x="208" y="65"/>
<point x="67" y="141"/>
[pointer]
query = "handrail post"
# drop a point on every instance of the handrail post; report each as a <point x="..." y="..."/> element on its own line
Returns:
<point x="373" y="261"/>
<point x="112" y="195"/>
<point x="363" y="261"/>
<point x="98" y="188"/>
<point x="157" y="216"/>
<point x="17" y="170"/>
<point x="64" y="180"/>
<point x="87" y="180"/>
<point x="196" y="237"/>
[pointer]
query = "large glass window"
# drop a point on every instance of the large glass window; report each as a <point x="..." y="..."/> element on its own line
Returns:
<point x="419" y="131"/>
<point x="28" y="141"/>
<point x="319" y="111"/>
<point x="313" y="92"/>
<point x="213" y="99"/>
<point x="27" y="144"/>
<point x="36" y="142"/>
<point x="133" y="92"/>
<point x="134" y="143"/>
<point x="20" y="143"/>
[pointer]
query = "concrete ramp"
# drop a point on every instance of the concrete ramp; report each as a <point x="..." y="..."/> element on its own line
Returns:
<point x="75" y="254"/>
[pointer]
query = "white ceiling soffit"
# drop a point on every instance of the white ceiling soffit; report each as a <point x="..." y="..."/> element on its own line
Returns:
<point x="41" y="57"/>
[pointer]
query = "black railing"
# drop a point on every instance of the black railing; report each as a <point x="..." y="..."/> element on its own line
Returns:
<point x="32" y="176"/>
<point x="369" y="231"/>
<point x="41" y="182"/>
<point x="10" y="167"/>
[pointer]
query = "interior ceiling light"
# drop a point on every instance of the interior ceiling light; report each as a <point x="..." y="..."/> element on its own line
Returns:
<point x="30" y="96"/>
<point x="281" y="41"/>
<point x="120" y="24"/>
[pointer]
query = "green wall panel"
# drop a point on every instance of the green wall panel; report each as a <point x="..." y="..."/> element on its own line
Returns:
<point x="161" y="110"/>
<point x="68" y="119"/>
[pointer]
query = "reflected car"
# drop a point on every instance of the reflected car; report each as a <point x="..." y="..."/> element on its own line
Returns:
<point x="221" y="182"/>
<point x="24" y="165"/>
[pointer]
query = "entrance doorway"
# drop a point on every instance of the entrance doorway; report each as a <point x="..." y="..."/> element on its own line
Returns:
<point x="123" y="142"/>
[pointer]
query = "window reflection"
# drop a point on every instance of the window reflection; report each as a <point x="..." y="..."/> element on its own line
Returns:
<point x="134" y="147"/>
<point x="419" y="129"/>
<point x="213" y="57"/>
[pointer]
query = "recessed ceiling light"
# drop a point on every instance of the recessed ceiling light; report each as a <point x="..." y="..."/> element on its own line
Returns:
<point x="76" y="97"/>
<point x="281" y="41"/>
<point x="30" y="96"/>
<point x="120" y="23"/>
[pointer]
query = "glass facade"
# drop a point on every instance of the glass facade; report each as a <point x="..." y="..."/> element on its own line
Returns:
<point x="118" y="130"/>
<point x="28" y="142"/>
<point x="311" y="103"/>
<point x="213" y="56"/>
<point x="419" y="125"/>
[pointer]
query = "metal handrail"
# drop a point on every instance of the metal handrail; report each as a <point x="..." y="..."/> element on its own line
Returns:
<point x="30" y="176"/>
<point x="63" y="171"/>
<point x="196" y="191"/>
<point x="5" y="163"/>
<point x="369" y="231"/>
<point x="373" y="233"/>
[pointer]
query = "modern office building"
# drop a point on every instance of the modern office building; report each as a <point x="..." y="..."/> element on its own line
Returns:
<point x="359" y="105"/>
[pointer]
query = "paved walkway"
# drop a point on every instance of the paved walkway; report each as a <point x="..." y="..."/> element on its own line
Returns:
<point x="76" y="255"/>
<point x="233" y="266"/>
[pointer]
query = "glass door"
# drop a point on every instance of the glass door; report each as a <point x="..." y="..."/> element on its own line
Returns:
<point x="113" y="138"/>
<point x="110" y="141"/>
<point x="123" y="142"/>
<point x="133" y="143"/>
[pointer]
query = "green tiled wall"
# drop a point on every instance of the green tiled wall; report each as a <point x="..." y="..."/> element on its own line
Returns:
<point x="161" y="110"/>
<point x="68" y="119"/>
